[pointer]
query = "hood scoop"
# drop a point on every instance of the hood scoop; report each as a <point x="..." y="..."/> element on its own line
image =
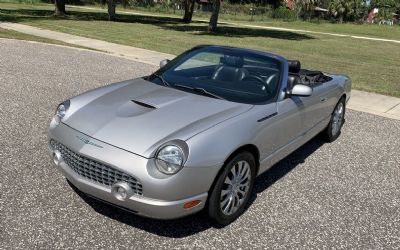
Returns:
<point x="160" y="98"/>
<point x="144" y="104"/>
<point x="134" y="108"/>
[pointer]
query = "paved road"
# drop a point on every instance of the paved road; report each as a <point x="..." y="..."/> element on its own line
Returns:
<point x="340" y="195"/>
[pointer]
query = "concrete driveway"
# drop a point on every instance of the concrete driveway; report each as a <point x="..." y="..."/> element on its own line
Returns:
<point x="340" y="195"/>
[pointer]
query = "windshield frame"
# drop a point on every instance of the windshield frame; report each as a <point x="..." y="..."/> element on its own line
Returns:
<point x="230" y="50"/>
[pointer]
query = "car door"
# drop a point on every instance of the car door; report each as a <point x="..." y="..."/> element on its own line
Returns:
<point x="282" y="125"/>
<point x="292" y="115"/>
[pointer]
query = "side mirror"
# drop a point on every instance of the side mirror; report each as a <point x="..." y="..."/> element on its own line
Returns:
<point x="164" y="62"/>
<point x="301" y="90"/>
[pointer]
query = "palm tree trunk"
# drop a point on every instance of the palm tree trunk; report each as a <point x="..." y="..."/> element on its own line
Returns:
<point x="212" y="26"/>
<point x="59" y="8"/>
<point x="189" y="9"/>
<point x="111" y="10"/>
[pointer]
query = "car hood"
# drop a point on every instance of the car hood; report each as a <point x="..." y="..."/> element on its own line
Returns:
<point x="139" y="116"/>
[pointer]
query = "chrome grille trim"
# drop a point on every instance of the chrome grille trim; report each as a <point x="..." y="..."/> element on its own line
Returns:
<point x="94" y="170"/>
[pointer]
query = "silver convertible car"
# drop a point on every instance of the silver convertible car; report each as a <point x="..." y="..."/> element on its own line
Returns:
<point x="195" y="134"/>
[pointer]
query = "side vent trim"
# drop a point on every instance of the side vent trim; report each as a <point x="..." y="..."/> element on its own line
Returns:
<point x="267" y="117"/>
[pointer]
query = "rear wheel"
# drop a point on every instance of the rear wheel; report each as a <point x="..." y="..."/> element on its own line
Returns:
<point x="232" y="189"/>
<point x="333" y="130"/>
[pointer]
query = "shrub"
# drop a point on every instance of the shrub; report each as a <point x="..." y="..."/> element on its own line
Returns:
<point x="284" y="13"/>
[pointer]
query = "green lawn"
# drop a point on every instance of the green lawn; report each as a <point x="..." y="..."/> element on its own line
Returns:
<point x="373" y="66"/>
<point x="372" y="30"/>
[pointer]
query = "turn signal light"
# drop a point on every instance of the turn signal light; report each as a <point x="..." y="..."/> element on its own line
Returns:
<point x="191" y="204"/>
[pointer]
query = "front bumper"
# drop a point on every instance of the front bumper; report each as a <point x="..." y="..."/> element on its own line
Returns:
<point x="146" y="207"/>
<point x="163" y="196"/>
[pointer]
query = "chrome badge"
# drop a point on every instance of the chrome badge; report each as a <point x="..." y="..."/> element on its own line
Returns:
<point x="87" y="141"/>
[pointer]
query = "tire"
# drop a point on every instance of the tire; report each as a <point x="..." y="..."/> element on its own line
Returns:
<point x="228" y="201"/>
<point x="333" y="130"/>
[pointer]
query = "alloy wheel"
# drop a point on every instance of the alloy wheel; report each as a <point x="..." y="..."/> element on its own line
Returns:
<point x="337" y="119"/>
<point x="236" y="187"/>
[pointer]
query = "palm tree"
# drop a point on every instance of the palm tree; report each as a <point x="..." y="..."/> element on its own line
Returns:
<point x="307" y="6"/>
<point x="344" y="9"/>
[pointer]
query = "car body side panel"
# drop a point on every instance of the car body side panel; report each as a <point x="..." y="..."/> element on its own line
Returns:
<point x="333" y="90"/>
<point x="275" y="137"/>
<point x="281" y="153"/>
<point x="213" y="146"/>
<point x="321" y="103"/>
<point x="285" y="126"/>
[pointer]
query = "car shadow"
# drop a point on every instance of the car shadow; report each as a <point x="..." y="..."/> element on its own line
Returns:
<point x="283" y="167"/>
<point x="183" y="227"/>
<point x="177" y="228"/>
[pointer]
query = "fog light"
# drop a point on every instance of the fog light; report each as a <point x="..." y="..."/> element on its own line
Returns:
<point x="57" y="158"/>
<point x="121" y="191"/>
<point x="191" y="204"/>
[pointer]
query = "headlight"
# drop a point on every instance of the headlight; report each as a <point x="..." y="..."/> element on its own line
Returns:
<point x="62" y="109"/>
<point x="60" y="113"/>
<point x="170" y="159"/>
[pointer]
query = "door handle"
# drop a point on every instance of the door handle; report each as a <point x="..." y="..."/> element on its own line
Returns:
<point x="323" y="99"/>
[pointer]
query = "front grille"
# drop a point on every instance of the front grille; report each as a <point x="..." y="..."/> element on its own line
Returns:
<point x="94" y="170"/>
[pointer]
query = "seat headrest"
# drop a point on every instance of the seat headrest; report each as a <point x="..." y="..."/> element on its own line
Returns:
<point x="232" y="61"/>
<point x="293" y="80"/>
<point x="294" y="66"/>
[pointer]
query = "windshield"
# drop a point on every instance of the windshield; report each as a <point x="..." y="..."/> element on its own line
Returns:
<point x="225" y="73"/>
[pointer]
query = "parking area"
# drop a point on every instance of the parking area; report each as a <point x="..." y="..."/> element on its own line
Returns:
<point x="340" y="195"/>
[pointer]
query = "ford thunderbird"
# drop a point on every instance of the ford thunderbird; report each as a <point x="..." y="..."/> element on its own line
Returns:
<point x="196" y="133"/>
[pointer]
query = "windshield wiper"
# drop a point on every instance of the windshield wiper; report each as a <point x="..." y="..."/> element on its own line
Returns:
<point x="199" y="90"/>
<point x="162" y="80"/>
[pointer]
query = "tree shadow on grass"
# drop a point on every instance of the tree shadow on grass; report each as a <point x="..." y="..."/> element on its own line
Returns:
<point x="235" y="31"/>
<point x="199" y="222"/>
<point x="167" y="23"/>
<point x="18" y="15"/>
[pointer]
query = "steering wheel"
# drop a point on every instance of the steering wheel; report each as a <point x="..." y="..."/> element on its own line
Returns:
<point x="258" y="79"/>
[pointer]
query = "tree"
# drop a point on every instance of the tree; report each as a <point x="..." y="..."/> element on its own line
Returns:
<point x="275" y="3"/>
<point x="59" y="8"/>
<point x="386" y="8"/>
<point x="307" y="7"/>
<point x="111" y="4"/>
<point x="212" y="26"/>
<point x="189" y="9"/>
<point x="344" y="9"/>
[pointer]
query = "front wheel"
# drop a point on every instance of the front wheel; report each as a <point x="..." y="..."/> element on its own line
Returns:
<point x="333" y="130"/>
<point x="232" y="189"/>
